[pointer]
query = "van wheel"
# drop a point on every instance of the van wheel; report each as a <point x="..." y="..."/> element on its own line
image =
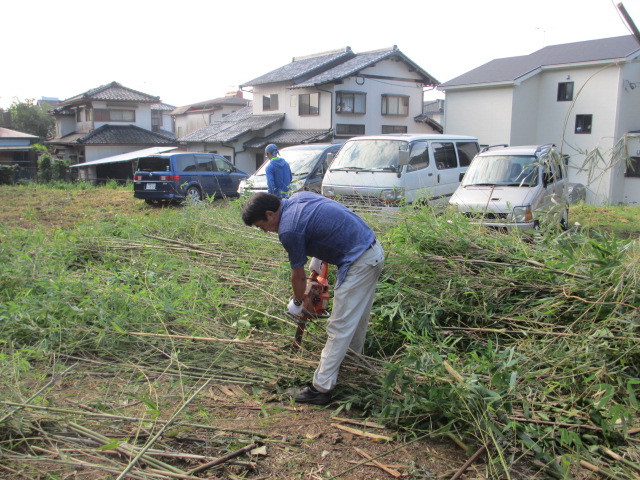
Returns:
<point x="193" y="194"/>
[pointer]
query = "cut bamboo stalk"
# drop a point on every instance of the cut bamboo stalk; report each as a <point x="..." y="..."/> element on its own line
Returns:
<point x="598" y="470"/>
<point x="364" y="423"/>
<point x="390" y="471"/>
<point x="620" y="458"/>
<point x="222" y="459"/>
<point x="362" y="433"/>
<point x="468" y="463"/>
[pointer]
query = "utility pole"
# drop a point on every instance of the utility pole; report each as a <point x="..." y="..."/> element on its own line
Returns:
<point x="629" y="20"/>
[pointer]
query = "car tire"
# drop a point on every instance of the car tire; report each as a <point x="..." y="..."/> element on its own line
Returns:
<point x="193" y="194"/>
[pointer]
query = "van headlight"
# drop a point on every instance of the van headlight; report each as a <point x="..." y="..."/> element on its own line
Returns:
<point x="522" y="214"/>
<point x="328" y="191"/>
<point x="392" y="195"/>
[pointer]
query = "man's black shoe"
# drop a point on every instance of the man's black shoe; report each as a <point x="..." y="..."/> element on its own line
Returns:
<point x="310" y="395"/>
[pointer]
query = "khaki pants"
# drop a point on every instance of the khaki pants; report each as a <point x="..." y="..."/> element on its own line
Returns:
<point x="349" y="320"/>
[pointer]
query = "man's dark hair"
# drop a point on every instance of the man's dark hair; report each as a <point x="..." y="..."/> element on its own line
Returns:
<point x="256" y="207"/>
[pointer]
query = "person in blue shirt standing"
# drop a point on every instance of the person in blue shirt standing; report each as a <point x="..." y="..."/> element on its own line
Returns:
<point x="278" y="172"/>
<point x="309" y="224"/>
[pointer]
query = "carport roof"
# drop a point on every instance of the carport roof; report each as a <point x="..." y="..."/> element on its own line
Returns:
<point x="125" y="157"/>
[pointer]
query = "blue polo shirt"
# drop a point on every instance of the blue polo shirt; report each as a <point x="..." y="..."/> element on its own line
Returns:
<point x="314" y="226"/>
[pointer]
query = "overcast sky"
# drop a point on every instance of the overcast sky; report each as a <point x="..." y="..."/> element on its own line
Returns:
<point x="191" y="50"/>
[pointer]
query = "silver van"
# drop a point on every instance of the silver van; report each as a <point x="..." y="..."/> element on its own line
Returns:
<point x="514" y="187"/>
<point x="386" y="170"/>
<point x="308" y="165"/>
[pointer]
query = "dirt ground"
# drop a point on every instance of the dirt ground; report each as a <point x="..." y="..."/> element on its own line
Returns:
<point x="280" y="440"/>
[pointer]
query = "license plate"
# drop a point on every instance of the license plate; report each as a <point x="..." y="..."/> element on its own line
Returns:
<point x="149" y="186"/>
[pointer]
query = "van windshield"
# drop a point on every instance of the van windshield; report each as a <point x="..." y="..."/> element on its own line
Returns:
<point x="503" y="170"/>
<point x="301" y="161"/>
<point x="153" y="164"/>
<point x="369" y="155"/>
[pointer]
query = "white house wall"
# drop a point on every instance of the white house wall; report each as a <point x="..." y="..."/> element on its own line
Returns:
<point x="143" y="114"/>
<point x="524" y="124"/>
<point x="288" y="101"/>
<point x="628" y="121"/>
<point x="293" y="120"/>
<point x="595" y="92"/>
<point x="482" y="113"/>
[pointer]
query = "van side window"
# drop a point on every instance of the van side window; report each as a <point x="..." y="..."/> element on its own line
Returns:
<point x="466" y="152"/>
<point x="419" y="157"/>
<point x="186" y="163"/>
<point x="444" y="155"/>
<point x="206" y="164"/>
<point x="223" y="166"/>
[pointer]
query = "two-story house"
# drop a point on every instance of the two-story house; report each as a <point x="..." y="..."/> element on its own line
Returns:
<point x="190" y="118"/>
<point x="104" y="122"/>
<point x="580" y="96"/>
<point x="331" y="96"/>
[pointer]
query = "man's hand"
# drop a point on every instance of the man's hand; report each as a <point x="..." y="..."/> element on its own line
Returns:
<point x="295" y="309"/>
<point x="315" y="265"/>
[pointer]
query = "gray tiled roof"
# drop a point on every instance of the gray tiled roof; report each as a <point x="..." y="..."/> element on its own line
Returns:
<point x="303" y="67"/>
<point x="511" y="68"/>
<point x="433" y="107"/>
<point x="426" y="118"/>
<point x="289" y="137"/>
<point x="116" y="135"/>
<point x="231" y="129"/>
<point x="360" y="62"/>
<point x="113" y="92"/>
<point x="165" y="107"/>
<point x="212" y="104"/>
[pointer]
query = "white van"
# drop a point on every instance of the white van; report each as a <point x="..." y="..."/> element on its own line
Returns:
<point x="385" y="170"/>
<point x="514" y="187"/>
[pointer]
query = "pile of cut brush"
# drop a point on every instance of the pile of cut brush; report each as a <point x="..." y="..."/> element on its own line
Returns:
<point x="524" y="350"/>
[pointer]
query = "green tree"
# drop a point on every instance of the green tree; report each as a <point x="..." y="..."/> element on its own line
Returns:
<point x="30" y="118"/>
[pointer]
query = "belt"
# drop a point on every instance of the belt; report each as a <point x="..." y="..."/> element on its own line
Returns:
<point x="372" y="244"/>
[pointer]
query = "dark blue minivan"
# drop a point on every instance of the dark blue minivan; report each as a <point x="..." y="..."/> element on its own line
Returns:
<point x="174" y="177"/>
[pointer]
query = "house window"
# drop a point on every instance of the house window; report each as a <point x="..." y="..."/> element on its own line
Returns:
<point x="565" y="91"/>
<point x="633" y="167"/>
<point x="78" y="115"/>
<point x="583" y="123"/>
<point x="269" y="102"/>
<point x="395" y="105"/>
<point x="394" y="129"/>
<point x="349" y="129"/>
<point x="104" y="115"/>
<point x="351" y="102"/>
<point x="309" y="104"/>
